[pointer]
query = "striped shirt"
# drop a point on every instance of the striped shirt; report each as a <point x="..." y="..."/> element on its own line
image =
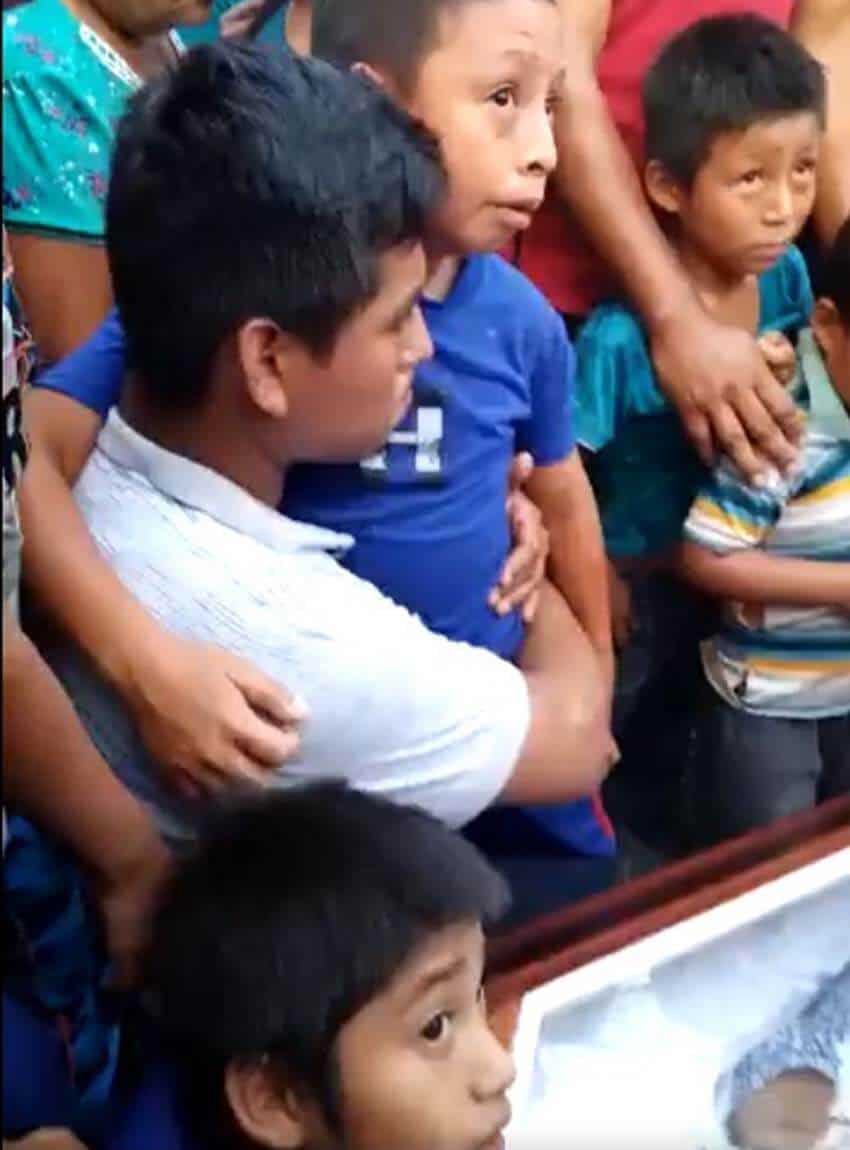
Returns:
<point x="785" y="661"/>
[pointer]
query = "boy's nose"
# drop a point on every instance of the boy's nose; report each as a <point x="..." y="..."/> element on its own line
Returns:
<point x="541" y="154"/>
<point x="496" y="1069"/>
<point x="781" y="206"/>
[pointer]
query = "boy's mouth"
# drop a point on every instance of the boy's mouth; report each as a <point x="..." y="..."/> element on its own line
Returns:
<point x="519" y="213"/>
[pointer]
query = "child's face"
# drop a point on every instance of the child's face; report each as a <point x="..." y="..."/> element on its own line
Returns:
<point x="343" y="406"/>
<point x="751" y="197"/>
<point x="419" y="1067"/>
<point x="833" y="337"/>
<point x="486" y="91"/>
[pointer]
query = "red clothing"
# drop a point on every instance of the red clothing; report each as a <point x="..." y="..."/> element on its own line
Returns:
<point x="552" y="252"/>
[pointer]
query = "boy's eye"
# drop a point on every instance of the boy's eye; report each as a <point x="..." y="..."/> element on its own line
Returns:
<point x="805" y="168"/>
<point x="750" y="178"/>
<point x="503" y="97"/>
<point x="436" y="1028"/>
<point x="552" y="102"/>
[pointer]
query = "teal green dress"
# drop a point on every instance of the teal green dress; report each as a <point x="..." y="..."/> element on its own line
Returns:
<point x="64" y="91"/>
<point x="272" y="33"/>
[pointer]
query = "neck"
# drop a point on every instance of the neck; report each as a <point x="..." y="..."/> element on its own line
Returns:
<point x="730" y="297"/>
<point x="443" y="271"/>
<point x="199" y="436"/>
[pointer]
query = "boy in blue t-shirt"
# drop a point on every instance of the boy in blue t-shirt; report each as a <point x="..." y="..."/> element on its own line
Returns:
<point x="734" y="112"/>
<point x="428" y="513"/>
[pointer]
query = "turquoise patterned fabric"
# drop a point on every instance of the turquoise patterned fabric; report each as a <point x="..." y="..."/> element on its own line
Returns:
<point x="61" y="105"/>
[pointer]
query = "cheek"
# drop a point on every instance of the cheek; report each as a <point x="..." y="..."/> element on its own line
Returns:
<point x="407" y="1102"/>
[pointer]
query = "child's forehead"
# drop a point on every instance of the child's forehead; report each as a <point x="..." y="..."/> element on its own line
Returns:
<point x="769" y="138"/>
<point x="478" y="33"/>
<point x="443" y="958"/>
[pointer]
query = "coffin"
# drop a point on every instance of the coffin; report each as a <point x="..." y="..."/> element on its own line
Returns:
<point x="627" y="1013"/>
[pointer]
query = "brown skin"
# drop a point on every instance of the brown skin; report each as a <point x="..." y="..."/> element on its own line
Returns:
<point x="419" y="1066"/>
<point x="790" y="1113"/>
<point x="45" y="1140"/>
<point x="77" y="798"/>
<point x="63" y="284"/>
<point x="713" y="374"/>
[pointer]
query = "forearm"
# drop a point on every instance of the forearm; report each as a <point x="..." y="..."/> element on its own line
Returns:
<point x="823" y="26"/>
<point x="71" y="579"/>
<point x="568" y="749"/>
<point x="579" y="570"/>
<point x="599" y="184"/>
<point x="760" y="578"/>
<point x="52" y="771"/>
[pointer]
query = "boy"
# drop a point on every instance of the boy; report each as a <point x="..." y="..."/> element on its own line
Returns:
<point x="775" y="737"/>
<point x="299" y="342"/>
<point x="734" y="110"/>
<point x="341" y="1004"/>
<point x="427" y="511"/>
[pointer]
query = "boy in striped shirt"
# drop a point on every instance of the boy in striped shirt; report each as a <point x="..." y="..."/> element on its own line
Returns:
<point x="776" y="734"/>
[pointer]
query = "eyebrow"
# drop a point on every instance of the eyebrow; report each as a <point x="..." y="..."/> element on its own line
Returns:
<point x="406" y="306"/>
<point x="435" y="977"/>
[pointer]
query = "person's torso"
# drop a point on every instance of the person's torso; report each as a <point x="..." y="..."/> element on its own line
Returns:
<point x="427" y="513"/>
<point x="646" y="479"/>
<point x="795" y="661"/>
<point x="553" y="253"/>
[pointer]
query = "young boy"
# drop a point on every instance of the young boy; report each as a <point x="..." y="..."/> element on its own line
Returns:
<point x="734" y="111"/>
<point x="427" y="511"/>
<point x="775" y="737"/>
<point x="340" y="1004"/>
<point x="299" y="342"/>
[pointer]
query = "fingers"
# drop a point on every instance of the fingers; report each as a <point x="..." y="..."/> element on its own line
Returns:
<point x="521" y="470"/>
<point x="781" y="408"/>
<point x="734" y="441"/>
<point x="530" y="607"/>
<point x="264" y="695"/>
<point x="699" y="431"/>
<point x="266" y="744"/>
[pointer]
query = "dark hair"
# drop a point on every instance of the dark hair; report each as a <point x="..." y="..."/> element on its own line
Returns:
<point x="290" y="915"/>
<point x="253" y="183"/>
<point x="835" y="277"/>
<point x="395" y="35"/>
<point x="724" y="74"/>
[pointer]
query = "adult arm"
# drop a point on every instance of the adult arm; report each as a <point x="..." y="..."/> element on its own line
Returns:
<point x="577" y="562"/>
<point x="53" y="774"/>
<point x="201" y="711"/>
<point x="713" y="374"/>
<point x="64" y="289"/>
<point x="823" y="26"/>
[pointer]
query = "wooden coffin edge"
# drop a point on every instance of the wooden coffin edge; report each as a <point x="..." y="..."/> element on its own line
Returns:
<point x="552" y="946"/>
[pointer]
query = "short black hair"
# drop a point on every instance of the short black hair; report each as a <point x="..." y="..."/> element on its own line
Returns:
<point x="254" y="183"/>
<point x="835" y="273"/>
<point x="395" y="35"/>
<point x="290" y="914"/>
<point x="724" y="74"/>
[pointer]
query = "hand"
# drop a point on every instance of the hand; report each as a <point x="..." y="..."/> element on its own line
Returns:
<point x="790" y="1113"/>
<point x="620" y="596"/>
<point x="127" y="898"/>
<point x="725" y="393"/>
<point x="210" y="717"/>
<point x="523" y="573"/>
<point x="237" y="22"/>
<point x="779" y="355"/>
<point x="45" y="1140"/>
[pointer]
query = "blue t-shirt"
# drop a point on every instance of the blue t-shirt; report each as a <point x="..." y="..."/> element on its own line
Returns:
<point x="644" y="471"/>
<point x="428" y="512"/>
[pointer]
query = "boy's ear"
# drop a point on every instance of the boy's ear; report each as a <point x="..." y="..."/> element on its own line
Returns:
<point x="268" y="1112"/>
<point x="264" y="352"/>
<point x="663" y="191"/>
<point x="826" y="324"/>
<point x="376" y="77"/>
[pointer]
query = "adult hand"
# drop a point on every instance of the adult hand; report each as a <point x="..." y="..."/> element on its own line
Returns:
<point x="726" y="394"/>
<point x="523" y="574"/>
<point x="127" y="897"/>
<point x="212" y="718"/>
<point x="790" y="1113"/>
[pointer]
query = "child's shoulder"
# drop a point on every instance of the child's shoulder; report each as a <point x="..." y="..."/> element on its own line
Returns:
<point x="786" y="293"/>
<point x="499" y="282"/>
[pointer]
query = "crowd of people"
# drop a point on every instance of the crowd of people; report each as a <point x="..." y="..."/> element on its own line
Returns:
<point x="426" y="503"/>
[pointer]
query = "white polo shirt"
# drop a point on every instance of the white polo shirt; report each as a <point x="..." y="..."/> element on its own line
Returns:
<point x="393" y="708"/>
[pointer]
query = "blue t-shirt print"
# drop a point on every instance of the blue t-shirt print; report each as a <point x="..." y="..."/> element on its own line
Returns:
<point x="427" y="512"/>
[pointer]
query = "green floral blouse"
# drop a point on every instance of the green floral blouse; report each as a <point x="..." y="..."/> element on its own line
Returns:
<point x="64" y="91"/>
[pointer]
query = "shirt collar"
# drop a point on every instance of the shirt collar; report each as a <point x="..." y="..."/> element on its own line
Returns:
<point x="825" y="406"/>
<point x="196" y="486"/>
